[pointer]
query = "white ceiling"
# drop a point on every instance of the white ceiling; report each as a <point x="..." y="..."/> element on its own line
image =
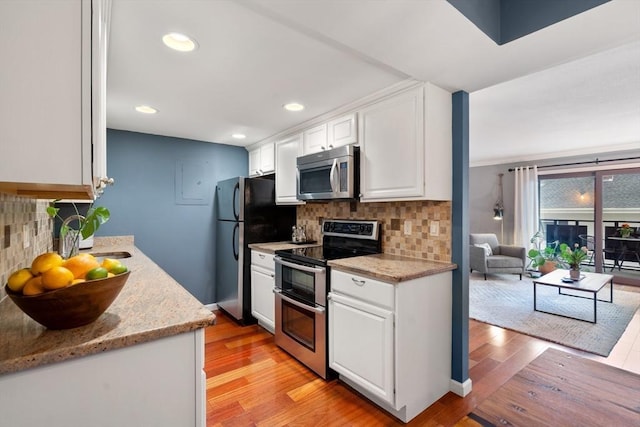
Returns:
<point x="571" y="88"/>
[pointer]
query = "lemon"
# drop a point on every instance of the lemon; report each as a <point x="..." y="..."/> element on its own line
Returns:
<point x="110" y="263"/>
<point x="76" y="281"/>
<point x="80" y="264"/>
<point x="33" y="286"/>
<point x="44" y="262"/>
<point x="18" y="279"/>
<point x="56" y="278"/>
<point x="97" y="273"/>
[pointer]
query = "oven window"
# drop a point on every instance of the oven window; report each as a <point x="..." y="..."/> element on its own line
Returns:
<point x="298" y="283"/>
<point x="299" y="324"/>
<point x="315" y="180"/>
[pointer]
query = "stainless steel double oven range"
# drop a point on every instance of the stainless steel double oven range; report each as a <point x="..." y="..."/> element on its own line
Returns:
<point x="302" y="284"/>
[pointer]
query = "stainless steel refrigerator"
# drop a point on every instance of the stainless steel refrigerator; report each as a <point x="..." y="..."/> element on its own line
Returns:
<point x="246" y="213"/>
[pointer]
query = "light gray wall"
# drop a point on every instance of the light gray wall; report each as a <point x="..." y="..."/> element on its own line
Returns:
<point x="483" y="190"/>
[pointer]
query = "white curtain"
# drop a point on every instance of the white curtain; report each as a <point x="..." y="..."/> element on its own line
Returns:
<point x="526" y="216"/>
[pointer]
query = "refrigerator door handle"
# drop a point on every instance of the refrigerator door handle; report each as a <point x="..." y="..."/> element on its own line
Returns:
<point x="236" y="190"/>
<point x="236" y="253"/>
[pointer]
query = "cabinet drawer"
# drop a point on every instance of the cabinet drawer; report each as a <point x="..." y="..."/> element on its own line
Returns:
<point x="363" y="288"/>
<point x="262" y="259"/>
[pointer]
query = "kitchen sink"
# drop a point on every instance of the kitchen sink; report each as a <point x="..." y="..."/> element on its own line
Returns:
<point x="115" y="255"/>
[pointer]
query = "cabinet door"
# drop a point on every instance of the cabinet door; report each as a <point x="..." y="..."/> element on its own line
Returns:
<point x="99" y="48"/>
<point x="262" y="298"/>
<point x="342" y="131"/>
<point x="392" y="148"/>
<point x="361" y="342"/>
<point x="254" y="162"/>
<point x="315" y="139"/>
<point x="286" y="153"/>
<point x="41" y="103"/>
<point x="267" y="159"/>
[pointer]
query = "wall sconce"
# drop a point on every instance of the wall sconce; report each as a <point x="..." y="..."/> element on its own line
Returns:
<point x="498" y="208"/>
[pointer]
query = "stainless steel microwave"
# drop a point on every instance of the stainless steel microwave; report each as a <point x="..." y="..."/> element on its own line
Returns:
<point x="329" y="174"/>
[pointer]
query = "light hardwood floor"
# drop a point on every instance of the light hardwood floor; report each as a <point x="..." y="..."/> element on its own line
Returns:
<point x="252" y="382"/>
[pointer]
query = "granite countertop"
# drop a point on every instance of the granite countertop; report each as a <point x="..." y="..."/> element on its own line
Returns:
<point x="151" y="305"/>
<point x="391" y="268"/>
<point x="272" y="247"/>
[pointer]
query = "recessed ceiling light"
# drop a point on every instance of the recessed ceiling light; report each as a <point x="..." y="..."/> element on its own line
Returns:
<point x="179" y="42"/>
<point x="239" y="135"/>
<point x="146" y="109"/>
<point x="293" y="106"/>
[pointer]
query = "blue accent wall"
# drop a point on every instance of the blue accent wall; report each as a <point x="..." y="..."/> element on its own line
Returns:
<point x="507" y="20"/>
<point x="460" y="237"/>
<point x="145" y="202"/>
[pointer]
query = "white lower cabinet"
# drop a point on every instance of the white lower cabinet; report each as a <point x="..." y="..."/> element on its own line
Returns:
<point x="156" y="383"/>
<point x="262" y="284"/>
<point x="363" y="351"/>
<point x="392" y="342"/>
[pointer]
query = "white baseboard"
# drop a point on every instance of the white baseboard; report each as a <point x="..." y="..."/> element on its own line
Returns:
<point x="461" y="389"/>
<point x="211" y="307"/>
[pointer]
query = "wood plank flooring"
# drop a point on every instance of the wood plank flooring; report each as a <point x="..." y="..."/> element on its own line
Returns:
<point x="252" y="382"/>
<point x="562" y="389"/>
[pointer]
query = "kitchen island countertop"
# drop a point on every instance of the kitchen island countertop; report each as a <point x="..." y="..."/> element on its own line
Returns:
<point x="391" y="268"/>
<point x="152" y="305"/>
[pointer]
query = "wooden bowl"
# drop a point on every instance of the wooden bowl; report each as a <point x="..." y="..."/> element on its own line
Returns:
<point x="72" y="306"/>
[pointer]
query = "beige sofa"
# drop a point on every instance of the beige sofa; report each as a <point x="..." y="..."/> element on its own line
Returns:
<point x="487" y="256"/>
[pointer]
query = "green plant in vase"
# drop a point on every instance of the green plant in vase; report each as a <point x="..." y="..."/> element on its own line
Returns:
<point x="541" y="258"/>
<point x="87" y="226"/>
<point x="573" y="258"/>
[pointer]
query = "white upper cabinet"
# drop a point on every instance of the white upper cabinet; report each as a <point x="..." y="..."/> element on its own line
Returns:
<point x="405" y="146"/>
<point x="335" y="133"/>
<point x="47" y="123"/>
<point x="287" y="151"/>
<point x="315" y="139"/>
<point x="262" y="160"/>
<point x="391" y="147"/>
<point x="342" y="131"/>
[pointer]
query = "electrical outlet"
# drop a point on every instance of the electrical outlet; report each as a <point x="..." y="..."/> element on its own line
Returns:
<point x="25" y="236"/>
<point x="434" y="228"/>
<point x="407" y="227"/>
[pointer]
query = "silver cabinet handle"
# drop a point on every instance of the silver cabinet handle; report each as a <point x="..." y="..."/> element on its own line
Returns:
<point x="261" y="256"/>
<point x="322" y="148"/>
<point x="358" y="282"/>
<point x="330" y="145"/>
<point x="316" y="309"/>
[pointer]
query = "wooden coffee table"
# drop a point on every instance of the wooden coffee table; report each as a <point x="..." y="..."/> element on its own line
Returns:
<point x="591" y="283"/>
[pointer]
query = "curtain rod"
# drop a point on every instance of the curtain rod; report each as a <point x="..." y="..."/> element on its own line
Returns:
<point x="596" y="161"/>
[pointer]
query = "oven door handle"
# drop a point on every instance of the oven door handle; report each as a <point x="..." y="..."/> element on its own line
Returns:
<point x="317" y="309"/>
<point x="314" y="270"/>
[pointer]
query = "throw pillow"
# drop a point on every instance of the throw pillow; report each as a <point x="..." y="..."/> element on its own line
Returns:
<point x="486" y="247"/>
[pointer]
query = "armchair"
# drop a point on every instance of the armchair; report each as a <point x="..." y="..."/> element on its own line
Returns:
<point x="501" y="259"/>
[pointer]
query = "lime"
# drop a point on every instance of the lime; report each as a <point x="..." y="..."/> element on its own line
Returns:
<point x="118" y="269"/>
<point x="97" y="273"/>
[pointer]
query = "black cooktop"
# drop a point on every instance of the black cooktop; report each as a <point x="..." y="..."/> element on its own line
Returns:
<point x="353" y="239"/>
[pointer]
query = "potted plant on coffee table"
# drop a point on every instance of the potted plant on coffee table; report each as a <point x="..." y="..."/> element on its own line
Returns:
<point x="543" y="259"/>
<point x="572" y="258"/>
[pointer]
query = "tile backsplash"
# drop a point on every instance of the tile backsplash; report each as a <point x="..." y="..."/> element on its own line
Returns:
<point x="20" y="215"/>
<point x="420" y="243"/>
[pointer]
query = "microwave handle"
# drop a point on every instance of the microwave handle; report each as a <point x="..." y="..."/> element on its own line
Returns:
<point x="332" y="177"/>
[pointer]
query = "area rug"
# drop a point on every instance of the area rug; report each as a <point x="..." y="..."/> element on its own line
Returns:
<point x="508" y="302"/>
